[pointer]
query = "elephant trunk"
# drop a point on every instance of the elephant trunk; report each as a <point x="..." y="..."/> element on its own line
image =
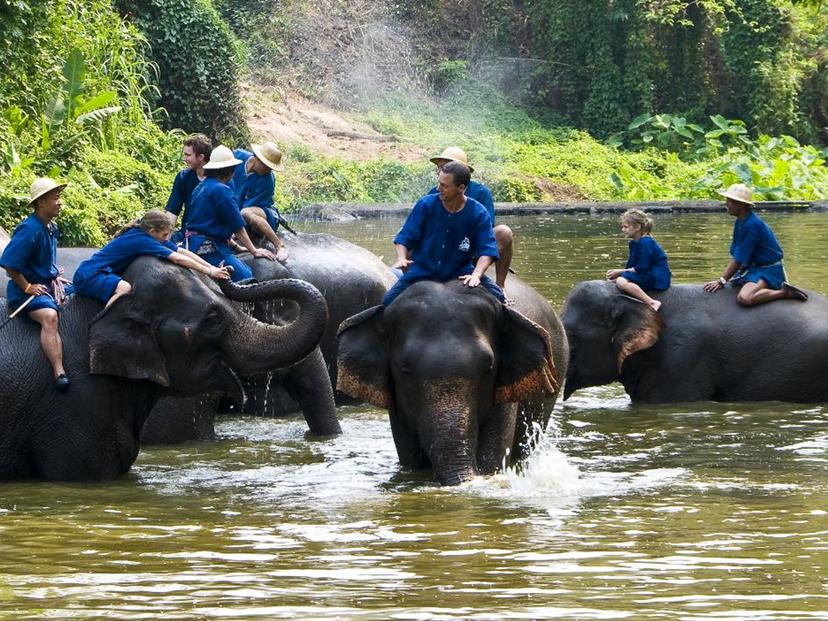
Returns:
<point x="255" y="347"/>
<point x="449" y="433"/>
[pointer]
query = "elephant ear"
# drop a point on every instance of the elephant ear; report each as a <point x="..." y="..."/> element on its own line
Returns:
<point x="637" y="327"/>
<point x="525" y="365"/>
<point x="362" y="358"/>
<point x="122" y="343"/>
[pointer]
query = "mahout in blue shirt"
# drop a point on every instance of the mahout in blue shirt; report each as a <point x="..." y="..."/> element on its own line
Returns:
<point x="252" y="189"/>
<point x="215" y="213"/>
<point x="443" y="244"/>
<point x="32" y="251"/>
<point x="215" y="218"/>
<point x="757" y="251"/>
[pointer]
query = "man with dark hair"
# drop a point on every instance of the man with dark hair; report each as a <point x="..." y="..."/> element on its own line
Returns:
<point x="483" y="195"/>
<point x="442" y="234"/>
<point x="195" y="153"/>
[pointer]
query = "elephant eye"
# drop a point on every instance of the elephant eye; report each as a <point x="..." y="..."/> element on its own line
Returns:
<point x="211" y="324"/>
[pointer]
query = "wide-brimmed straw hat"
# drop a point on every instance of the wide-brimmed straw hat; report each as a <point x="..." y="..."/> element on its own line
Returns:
<point x="452" y="154"/>
<point x="738" y="192"/>
<point x="221" y="157"/>
<point x="268" y="154"/>
<point x="42" y="186"/>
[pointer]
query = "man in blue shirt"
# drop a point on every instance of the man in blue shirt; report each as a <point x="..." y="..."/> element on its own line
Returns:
<point x="254" y="184"/>
<point x="479" y="192"/>
<point x="441" y="236"/>
<point x="30" y="261"/>
<point x="756" y="263"/>
<point x="195" y="154"/>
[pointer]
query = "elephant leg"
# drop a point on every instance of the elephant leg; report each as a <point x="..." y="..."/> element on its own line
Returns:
<point x="310" y="385"/>
<point x="532" y="417"/>
<point x="496" y="438"/>
<point x="408" y="444"/>
<point x="181" y="419"/>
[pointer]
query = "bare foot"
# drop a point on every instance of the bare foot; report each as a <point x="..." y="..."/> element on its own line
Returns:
<point x="655" y="305"/>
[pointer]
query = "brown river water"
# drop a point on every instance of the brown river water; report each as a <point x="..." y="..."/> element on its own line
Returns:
<point x="693" y="511"/>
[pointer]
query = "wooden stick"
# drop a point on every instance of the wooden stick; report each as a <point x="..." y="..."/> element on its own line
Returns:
<point x="19" y="308"/>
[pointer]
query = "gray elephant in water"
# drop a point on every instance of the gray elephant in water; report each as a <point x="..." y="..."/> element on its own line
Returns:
<point x="351" y="280"/>
<point x="463" y="377"/>
<point x="699" y="347"/>
<point x="176" y="334"/>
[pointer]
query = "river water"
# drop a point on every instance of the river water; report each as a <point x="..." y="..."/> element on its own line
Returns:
<point x="694" y="511"/>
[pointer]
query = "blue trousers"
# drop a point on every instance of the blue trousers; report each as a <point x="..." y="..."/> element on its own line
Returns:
<point x="404" y="282"/>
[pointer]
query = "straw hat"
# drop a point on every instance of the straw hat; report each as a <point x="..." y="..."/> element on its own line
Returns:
<point x="452" y="154"/>
<point x="738" y="192"/>
<point x="268" y="154"/>
<point x="221" y="157"/>
<point x="42" y="186"/>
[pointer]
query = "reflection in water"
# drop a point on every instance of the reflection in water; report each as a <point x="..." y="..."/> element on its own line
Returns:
<point x="693" y="511"/>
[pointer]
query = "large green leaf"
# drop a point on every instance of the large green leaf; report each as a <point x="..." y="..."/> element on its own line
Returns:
<point x="98" y="101"/>
<point x="639" y="121"/>
<point x="101" y="114"/>
<point x="73" y="72"/>
<point x="720" y="122"/>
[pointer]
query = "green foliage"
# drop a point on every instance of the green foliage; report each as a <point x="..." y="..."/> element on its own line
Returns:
<point x="777" y="168"/>
<point x="75" y="106"/>
<point x="451" y="73"/>
<point x="198" y="61"/>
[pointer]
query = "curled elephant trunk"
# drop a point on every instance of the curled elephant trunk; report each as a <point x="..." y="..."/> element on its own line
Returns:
<point x="255" y="347"/>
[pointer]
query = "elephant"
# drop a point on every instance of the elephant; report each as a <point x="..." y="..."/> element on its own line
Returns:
<point x="176" y="334"/>
<point x="700" y="346"/>
<point x="351" y="279"/>
<point x="463" y="377"/>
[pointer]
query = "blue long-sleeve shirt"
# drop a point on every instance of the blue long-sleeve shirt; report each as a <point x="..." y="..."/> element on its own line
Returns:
<point x="442" y="243"/>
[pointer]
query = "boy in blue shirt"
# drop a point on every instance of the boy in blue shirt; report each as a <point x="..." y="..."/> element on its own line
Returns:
<point x="195" y="153"/>
<point x="479" y="192"/>
<point x="253" y="185"/>
<point x="442" y="234"/>
<point x="30" y="261"/>
<point x="215" y="218"/>
<point x="756" y="265"/>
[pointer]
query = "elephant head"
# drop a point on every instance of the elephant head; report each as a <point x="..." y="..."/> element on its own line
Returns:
<point x="441" y="358"/>
<point x="604" y="329"/>
<point x="178" y="330"/>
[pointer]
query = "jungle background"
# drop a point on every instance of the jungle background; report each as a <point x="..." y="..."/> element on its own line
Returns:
<point x="553" y="100"/>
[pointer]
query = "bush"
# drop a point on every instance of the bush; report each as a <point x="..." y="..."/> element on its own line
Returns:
<point x="198" y="60"/>
<point x="116" y="171"/>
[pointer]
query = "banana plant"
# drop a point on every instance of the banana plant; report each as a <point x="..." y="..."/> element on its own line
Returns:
<point x="72" y="115"/>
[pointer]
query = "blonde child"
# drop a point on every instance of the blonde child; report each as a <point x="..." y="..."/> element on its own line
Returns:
<point x="99" y="276"/>
<point x="647" y="268"/>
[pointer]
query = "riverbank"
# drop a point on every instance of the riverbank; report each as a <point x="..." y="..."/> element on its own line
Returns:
<point x="341" y="212"/>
